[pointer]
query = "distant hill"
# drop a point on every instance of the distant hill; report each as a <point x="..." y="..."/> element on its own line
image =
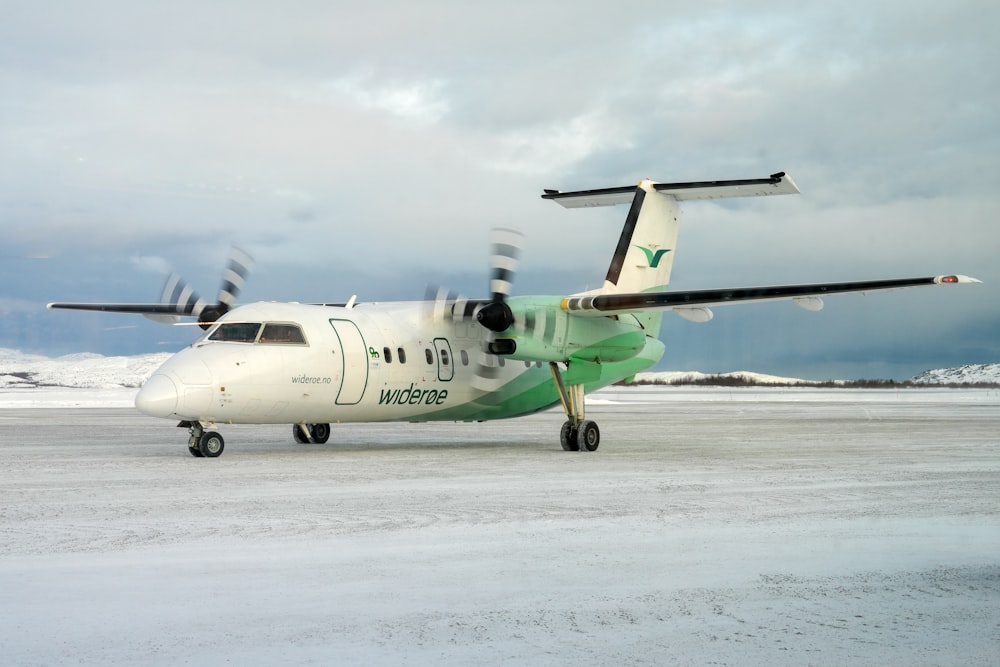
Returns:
<point x="733" y="379"/>
<point x="20" y="370"/>
<point x="975" y="373"/>
<point x="94" y="371"/>
<point x="979" y="374"/>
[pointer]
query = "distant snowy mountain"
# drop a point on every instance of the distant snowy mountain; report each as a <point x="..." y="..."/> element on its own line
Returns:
<point x="975" y="373"/>
<point x="19" y="370"/>
<point x="694" y="377"/>
<point x="972" y="374"/>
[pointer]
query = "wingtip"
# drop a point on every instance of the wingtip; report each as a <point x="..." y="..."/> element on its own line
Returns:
<point x="955" y="279"/>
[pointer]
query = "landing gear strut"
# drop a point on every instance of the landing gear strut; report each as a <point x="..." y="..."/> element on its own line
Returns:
<point x="202" y="443"/>
<point x="577" y="433"/>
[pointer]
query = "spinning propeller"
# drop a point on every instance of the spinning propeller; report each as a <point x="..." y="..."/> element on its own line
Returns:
<point x="497" y="316"/>
<point x="185" y="301"/>
<point x="494" y="314"/>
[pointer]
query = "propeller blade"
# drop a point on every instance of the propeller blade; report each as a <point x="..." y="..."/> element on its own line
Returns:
<point x="441" y="303"/>
<point x="487" y="378"/>
<point x="177" y="293"/>
<point x="503" y="261"/>
<point x="235" y="277"/>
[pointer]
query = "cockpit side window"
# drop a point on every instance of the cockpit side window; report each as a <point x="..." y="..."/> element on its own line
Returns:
<point x="236" y="332"/>
<point x="282" y="334"/>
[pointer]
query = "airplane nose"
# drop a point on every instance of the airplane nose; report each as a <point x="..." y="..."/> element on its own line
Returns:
<point x="158" y="397"/>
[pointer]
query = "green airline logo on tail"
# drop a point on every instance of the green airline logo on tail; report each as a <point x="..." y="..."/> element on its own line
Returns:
<point x="653" y="257"/>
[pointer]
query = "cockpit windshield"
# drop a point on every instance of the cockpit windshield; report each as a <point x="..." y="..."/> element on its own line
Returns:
<point x="236" y="332"/>
<point x="287" y="334"/>
<point x="267" y="333"/>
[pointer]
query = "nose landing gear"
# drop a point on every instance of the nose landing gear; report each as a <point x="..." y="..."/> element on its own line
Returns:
<point x="202" y="443"/>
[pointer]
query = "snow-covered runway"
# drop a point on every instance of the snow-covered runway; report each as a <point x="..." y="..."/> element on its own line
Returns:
<point x="713" y="526"/>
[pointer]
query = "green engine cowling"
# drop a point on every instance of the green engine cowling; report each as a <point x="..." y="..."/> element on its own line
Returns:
<point x="562" y="337"/>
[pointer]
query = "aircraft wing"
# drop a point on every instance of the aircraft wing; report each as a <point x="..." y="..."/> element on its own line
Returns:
<point x="693" y="304"/>
<point x="158" y="312"/>
<point x="132" y="308"/>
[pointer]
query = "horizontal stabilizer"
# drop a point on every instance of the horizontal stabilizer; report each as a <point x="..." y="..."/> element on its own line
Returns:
<point x="775" y="184"/>
<point x="604" y="304"/>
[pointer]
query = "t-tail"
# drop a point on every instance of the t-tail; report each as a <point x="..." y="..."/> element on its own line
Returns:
<point x="644" y="257"/>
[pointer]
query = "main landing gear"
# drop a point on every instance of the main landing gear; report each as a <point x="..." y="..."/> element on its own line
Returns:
<point x="578" y="433"/>
<point x="202" y="443"/>
<point x="304" y="433"/>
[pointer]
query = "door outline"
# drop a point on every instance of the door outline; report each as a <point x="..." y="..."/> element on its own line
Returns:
<point x="353" y="377"/>
<point x="445" y="359"/>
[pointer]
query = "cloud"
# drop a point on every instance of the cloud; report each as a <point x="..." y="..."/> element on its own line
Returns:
<point x="556" y="148"/>
<point x="9" y="307"/>
<point x="422" y="102"/>
<point x="154" y="264"/>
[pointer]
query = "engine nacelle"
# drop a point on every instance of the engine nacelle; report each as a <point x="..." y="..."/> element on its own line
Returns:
<point x="542" y="331"/>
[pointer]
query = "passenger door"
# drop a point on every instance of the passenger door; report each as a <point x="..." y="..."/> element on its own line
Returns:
<point x="353" y="355"/>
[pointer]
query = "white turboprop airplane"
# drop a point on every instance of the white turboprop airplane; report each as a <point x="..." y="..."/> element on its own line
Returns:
<point x="448" y="358"/>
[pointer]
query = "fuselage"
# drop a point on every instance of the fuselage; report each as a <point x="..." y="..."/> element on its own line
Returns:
<point x="295" y="363"/>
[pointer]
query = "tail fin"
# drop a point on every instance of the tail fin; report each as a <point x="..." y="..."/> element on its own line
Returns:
<point x="645" y="254"/>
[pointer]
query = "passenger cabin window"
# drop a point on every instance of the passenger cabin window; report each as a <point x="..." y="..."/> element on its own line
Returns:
<point x="236" y="332"/>
<point x="465" y="357"/>
<point x="401" y="355"/>
<point x="429" y="355"/>
<point x="282" y="334"/>
<point x="387" y="355"/>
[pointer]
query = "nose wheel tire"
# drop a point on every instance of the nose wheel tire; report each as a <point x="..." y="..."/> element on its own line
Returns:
<point x="211" y="444"/>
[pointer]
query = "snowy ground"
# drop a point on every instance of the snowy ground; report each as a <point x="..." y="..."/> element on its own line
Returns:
<point x="728" y="527"/>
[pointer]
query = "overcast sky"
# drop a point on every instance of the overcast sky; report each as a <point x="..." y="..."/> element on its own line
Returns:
<point x="369" y="149"/>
